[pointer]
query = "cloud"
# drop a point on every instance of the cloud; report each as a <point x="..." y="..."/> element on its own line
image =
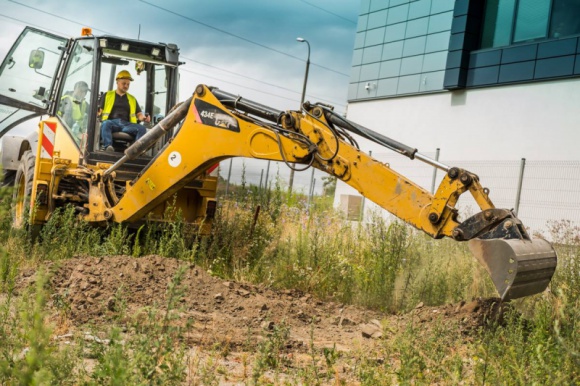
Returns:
<point x="255" y="54"/>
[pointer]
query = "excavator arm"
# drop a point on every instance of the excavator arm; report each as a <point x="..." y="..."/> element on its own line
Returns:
<point x="218" y="125"/>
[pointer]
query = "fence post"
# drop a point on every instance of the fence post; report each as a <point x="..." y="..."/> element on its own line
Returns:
<point x="520" y="182"/>
<point x="434" y="172"/>
<point x="311" y="180"/>
<point x="311" y="188"/>
<point x="261" y="178"/>
<point x="362" y="202"/>
<point x="229" y="175"/>
<point x="266" y="185"/>
<point x="311" y="193"/>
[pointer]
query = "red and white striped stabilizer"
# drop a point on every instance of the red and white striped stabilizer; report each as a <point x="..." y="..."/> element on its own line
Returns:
<point x="213" y="170"/>
<point x="48" y="134"/>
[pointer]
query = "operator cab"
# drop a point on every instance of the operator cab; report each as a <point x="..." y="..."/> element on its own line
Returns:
<point x="153" y="68"/>
<point x="42" y="73"/>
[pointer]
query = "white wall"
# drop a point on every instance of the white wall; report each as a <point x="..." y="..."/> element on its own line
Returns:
<point x="536" y="121"/>
<point x="539" y="121"/>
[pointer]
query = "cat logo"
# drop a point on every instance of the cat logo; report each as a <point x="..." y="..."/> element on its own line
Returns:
<point x="211" y="115"/>
<point x="224" y="120"/>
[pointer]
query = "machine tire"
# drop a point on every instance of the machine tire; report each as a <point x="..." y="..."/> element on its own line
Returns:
<point x="8" y="177"/>
<point x="21" y="196"/>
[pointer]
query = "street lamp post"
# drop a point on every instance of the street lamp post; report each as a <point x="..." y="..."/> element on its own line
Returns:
<point x="301" y="40"/>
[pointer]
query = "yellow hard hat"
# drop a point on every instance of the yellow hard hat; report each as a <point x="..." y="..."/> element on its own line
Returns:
<point x="124" y="75"/>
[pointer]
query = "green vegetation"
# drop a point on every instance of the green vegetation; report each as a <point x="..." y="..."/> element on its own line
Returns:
<point x="382" y="265"/>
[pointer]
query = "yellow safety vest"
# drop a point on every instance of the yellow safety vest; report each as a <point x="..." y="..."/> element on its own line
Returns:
<point x="78" y="109"/>
<point x="110" y="100"/>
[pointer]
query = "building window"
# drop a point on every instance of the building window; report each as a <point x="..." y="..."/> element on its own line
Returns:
<point x="509" y="22"/>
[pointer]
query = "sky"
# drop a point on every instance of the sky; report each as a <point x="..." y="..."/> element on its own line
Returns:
<point x="245" y="47"/>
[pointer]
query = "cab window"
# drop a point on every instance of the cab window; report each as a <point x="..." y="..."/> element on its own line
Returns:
<point x="74" y="108"/>
<point x="138" y="87"/>
<point x="159" y="93"/>
<point x="149" y="85"/>
<point x="27" y="73"/>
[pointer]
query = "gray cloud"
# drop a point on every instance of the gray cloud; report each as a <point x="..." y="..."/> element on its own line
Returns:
<point x="214" y="57"/>
<point x="249" y="26"/>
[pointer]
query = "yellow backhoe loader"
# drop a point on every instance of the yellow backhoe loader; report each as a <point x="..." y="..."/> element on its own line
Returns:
<point x="63" y="165"/>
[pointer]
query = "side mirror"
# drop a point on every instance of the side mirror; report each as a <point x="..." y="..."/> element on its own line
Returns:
<point x="36" y="59"/>
<point x="172" y="53"/>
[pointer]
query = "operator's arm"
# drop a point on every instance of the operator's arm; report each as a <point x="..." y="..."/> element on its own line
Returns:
<point x="101" y="105"/>
<point x="141" y="116"/>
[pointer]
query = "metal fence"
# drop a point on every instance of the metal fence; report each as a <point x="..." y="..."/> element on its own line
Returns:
<point x="547" y="190"/>
<point x="265" y="174"/>
<point x="540" y="191"/>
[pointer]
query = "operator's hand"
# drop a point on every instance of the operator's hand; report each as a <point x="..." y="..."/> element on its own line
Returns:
<point x="144" y="117"/>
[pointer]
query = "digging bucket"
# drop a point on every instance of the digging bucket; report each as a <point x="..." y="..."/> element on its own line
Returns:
<point x="517" y="267"/>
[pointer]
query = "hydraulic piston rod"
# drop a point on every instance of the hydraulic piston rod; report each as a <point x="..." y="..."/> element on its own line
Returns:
<point x="159" y="130"/>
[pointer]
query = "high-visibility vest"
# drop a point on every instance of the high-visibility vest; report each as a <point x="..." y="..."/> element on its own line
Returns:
<point x="110" y="101"/>
<point x="78" y="109"/>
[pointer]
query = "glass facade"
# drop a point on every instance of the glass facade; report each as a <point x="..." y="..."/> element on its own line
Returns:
<point x="406" y="47"/>
<point x="509" y="22"/>
<point x="400" y="48"/>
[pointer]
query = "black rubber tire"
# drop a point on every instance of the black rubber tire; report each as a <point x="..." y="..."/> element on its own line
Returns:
<point x="8" y="177"/>
<point x="23" y="182"/>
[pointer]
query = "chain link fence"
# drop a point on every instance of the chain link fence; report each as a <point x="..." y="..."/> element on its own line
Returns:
<point x="265" y="174"/>
<point x="539" y="191"/>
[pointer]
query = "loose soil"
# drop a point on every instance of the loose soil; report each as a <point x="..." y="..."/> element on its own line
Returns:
<point x="97" y="292"/>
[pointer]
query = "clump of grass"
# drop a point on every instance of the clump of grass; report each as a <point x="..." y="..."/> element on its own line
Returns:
<point x="64" y="236"/>
<point x="154" y="353"/>
<point x="8" y="272"/>
<point x="27" y="353"/>
<point x="239" y="240"/>
<point x="534" y="350"/>
<point x="270" y="352"/>
<point x="379" y="264"/>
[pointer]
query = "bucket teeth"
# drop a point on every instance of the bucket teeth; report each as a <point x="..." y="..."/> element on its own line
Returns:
<point x="517" y="268"/>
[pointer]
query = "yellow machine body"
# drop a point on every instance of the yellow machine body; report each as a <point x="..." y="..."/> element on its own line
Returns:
<point x="170" y="167"/>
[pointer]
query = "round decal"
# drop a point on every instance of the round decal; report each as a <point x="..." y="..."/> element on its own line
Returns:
<point x="174" y="159"/>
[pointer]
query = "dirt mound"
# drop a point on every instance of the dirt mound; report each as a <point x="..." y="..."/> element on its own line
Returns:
<point x="98" y="291"/>
<point x="468" y="316"/>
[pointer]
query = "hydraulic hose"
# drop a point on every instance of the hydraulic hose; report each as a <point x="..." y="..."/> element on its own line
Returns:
<point x="247" y="106"/>
<point x="336" y="119"/>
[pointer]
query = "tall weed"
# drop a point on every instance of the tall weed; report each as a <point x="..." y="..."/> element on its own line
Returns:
<point x="27" y="354"/>
<point x="154" y="353"/>
<point x="65" y="235"/>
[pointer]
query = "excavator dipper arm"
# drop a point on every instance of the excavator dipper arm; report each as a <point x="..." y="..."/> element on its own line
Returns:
<point x="219" y="125"/>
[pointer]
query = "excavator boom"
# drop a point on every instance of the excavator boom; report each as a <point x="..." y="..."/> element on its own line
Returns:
<point x="218" y="125"/>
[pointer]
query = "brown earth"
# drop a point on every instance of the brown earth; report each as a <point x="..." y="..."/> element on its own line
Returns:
<point x="96" y="290"/>
<point x="99" y="291"/>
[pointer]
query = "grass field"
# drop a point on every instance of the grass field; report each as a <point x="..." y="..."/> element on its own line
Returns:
<point x="383" y="266"/>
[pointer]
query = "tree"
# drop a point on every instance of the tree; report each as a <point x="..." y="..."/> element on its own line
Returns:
<point x="328" y="185"/>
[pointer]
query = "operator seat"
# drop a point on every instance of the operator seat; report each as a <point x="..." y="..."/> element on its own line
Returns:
<point x="122" y="140"/>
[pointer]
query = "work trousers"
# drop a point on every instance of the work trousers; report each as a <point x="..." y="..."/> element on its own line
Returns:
<point x="111" y="126"/>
